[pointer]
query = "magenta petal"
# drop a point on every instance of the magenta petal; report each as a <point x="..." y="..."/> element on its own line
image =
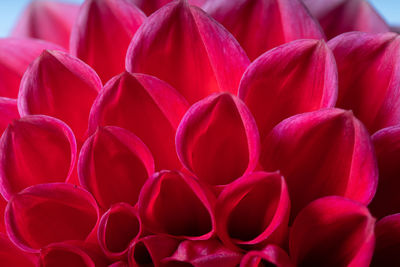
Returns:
<point x="218" y="125"/>
<point x="262" y="198"/>
<point x="11" y="256"/>
<point x="8" y="111"/>
<point x="150" y="6"/>
<point x="119" y="264"/>
<point x="282" y="82"/>
<point x="64" y="255"/>
<point x="183" y="46"/>
<point x="35" y="149"/>
<point x="332" y="231"/>
<point x="271" y="255"/>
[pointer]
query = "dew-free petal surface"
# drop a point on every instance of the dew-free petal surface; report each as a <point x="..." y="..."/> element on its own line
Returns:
<point x="150" y="6"/>
<point x="10" y="255"/>
<point x="271" y="255"/>
<point x="8" y="111"/>
<point x="64" y="255"/>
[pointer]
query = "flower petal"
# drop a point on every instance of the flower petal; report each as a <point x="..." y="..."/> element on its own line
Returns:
<point x="332" y="231"/>
<point x="205" y="126"/>
<point x="150" y="6"/>
<point x="12" y="256"/>
<point x="64" y="255"/>
<point x="183" y="46"/>
<point x="8" y="111"/>
<point x="35" y="149"/>
<point x="102" y="34"/>
<point x="282" y="82"/>
<point x="271" y="255"/>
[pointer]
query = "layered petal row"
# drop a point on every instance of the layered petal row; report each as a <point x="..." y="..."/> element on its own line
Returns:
<point x="271" y="255"/>
<point x="9" y="112"/>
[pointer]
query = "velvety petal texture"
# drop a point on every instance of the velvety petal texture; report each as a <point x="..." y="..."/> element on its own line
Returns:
<point x="13" y="256"/>
<point x="283" y="82"/>
<point x="149" y="6"/>
<point x="271" y="255"/>
<point x="183" y="46"/>
<point x="35" y="149"/>
<point x="64" y="255"/>
<point x="102" y="33"/>
<point x="8" y="111"/>
<point x="332" y="231"/>
<point x="322" y="153"/>
<point x="218" y="125"/>
<point x="369" y="77"/>
<point x="146" y="106"/>
<point x="113" y="165"/>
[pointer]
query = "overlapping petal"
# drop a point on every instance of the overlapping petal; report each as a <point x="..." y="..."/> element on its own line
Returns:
<point x="271" y="255"/>
<point x="12" y="256"/>
<point x="150" y="6"/>
<point x="64" y="255"/>
<point x="8" y="111"/>
<point x="183" y="46"/>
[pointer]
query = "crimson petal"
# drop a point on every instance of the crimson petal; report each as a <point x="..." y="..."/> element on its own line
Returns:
<point x="14" y="257"/>
<point x="64" y="255"/>
<point x="8" y="111"/>
<point x="271" y="255"/>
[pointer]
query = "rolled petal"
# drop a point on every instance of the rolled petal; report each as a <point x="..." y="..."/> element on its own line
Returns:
<point x="175" y="204"/>
<point x="322" y="153"/>
<point x="369" y="77"/>
<point x="146" y="106"/>
<point x="262" y="198"/>
<point x="332" y="231"/>
<point x="119" y="264"/>
<point x="8" y="111"/>
<point x="49" y="213"/>
<point x="102" y="33"/>
<point x="64" y="255"/>
<point x="185" y="47"/>
<point x="12" y="256"/>
<point x="271" y="255"/>
<point x="59" y="85"/>
<point x="282" y="82"/>
<point x="218" y="125"/>
<point x="150" y="6"/>
<point x="113" y="165"/>
<point x="34" y="150"/>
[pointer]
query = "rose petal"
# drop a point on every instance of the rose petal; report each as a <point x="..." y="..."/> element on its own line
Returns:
<point x="282" y="82"/>
<point x="64" y="255"/>
<point x="183" y="46"/>
<point x="35" y="149"/>
<point x="150" y="6"/>
<point x="8" y="111"/>
<point x="14" y="257"/>
<point x="271" y="255"/>
<point x="332" y="231"/>
<point x="221" y="122"/>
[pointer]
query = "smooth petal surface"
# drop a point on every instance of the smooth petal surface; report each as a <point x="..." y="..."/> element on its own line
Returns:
<point x="322" y="153"/>
<point x="64" y="255"/>
<point x="183" y="46"/>
<point x="102" y="33"/>
<point x="333" y="231"/>
<point x="146" y="106"/>
<point x="50" y="213"/>
<point x="369" y="77"/>
<point x="149" y="6"/>
<point x="113" y="165"/>
<point x="283" y="82"/>
<point x="218" y="125"/>
<point x="260" y="25"/>
<point x="271" y="255"/>
<point x="175" y="204"/>
<point x="12" y="256"/>
<point x="35" y="149"/>
<point x="51" y="85"/>
<point x="262" y="198"/>
<point x="8" y="111"/>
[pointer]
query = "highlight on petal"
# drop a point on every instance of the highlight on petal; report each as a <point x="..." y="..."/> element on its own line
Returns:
<point x="102" y="33"/>
<point x="113" y="165"/>
<point x="49" y="213"/>
<point x="34" y="150"/>
<point x="283" y="82"/>
<point x="8" y="111"/>
<point x="271" y="255"/>
<point x="119" y="264"/>
<point x="218" y="125"/>
<point x="13" y="256"/>
<point x="322" y="153"/>
<point x="51" y="85"/>
<point x="146" y="106"/>
<point x="263" y="200"/>
<point x="185" y="47"/>
<point x="176" y="204"/>
<point x="261" y="25"/>
<point x="47" y="20"/>
<point x="332" y="231"/>
<point x="150" y="6"/>
<point x="64" y="255"/>
<point x="369" y="77"/>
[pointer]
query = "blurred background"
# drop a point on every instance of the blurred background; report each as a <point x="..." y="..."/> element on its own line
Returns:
<point x="10" y="11"/>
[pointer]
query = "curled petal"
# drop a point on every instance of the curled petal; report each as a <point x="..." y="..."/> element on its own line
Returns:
<point x="150" y="6"/>
<point x="183" y="46"/>
<point x="146" y="106"/>
<point x="218" y="125"/>
<point x="369" y="77"/>
<point x="12" y="256"/>
<point x="102" y="33"/>
<point x="332" y="231"/>
<point x="8" y="111"/>
<point x="175" y="204"/>
<point x="64" y="255"/>
<point x="35" y="149"/>
<point x="49" y="213"/>
<point x="282" y="82"/>
<point x="119" y="264"/>
<point x="271" y="255"/>
<point x="262" y="198"/>
<point x="322" y="153"/>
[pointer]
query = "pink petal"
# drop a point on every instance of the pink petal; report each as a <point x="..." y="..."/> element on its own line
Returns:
<point x="64" y="255"/>
<point x="119" y="264"/>
<point x="102" y="33"/>
<point x="14" y="257"/>
<point x="3" y="204"/>
<point x="369" y="77"/>
<point x="185" y="47"/>
<point x="332" y="231"/>
<point x="282" y="82"/>
<point x="271" y="255"/>
<point x="218" y="125"/>
<point x="262" y="198"/>
<point x="322" y="153"/>
<point x="48" y="213"/>
<point x="150" y="6"/>
<point x="8" y="111"/>
<point x="260" y="25"/>
<point x="35" y="149"/>
<point x="146" y="106"/>
<point x="175" y="204"/>
<point x="51" y="85"/>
